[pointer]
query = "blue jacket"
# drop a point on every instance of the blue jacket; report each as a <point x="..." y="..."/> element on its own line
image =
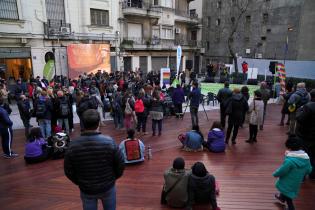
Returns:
<point x="178" y="96"/>
<point x="291" y="173"/>
<point x="215" y="141"/>
<point x="193" y="140"/>
<point x="194" y="96"/>
<point x="5" y="121"/>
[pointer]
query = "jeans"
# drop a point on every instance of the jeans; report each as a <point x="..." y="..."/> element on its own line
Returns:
<point x="6" y="136"/>
<point x="142" y="121"/>
<point x="108" y="199"/>
<point x="154" y="123"/>
<point x="27" y="125"/>
<point x="235" y="128"/>
<point x="64" y="121"/>
<point x="222" y="116"/>
<point x="253" y="130"/>
<point x="118" y="119"/>
<point x="178" y="109"/>
<point x="45" y="127"/>
<point x="288" y="200"/>
<point x="265" y="111"/>
<point x="194" y="115"/>
<point x="292" y="127"/>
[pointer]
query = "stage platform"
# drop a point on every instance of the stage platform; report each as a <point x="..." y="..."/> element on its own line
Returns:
<point x="243" y="171"/>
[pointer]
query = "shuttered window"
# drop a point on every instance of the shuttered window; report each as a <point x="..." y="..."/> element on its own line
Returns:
<point x="9" y="10"/>
<point x="55" y="10"/>
<point x="99" y="17"/>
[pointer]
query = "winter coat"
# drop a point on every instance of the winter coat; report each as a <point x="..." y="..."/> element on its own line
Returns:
<point x="35" y="148"/>
<point x="236" y="108"/>
<point x="305" y="129"/>
<point x="202" y="190"/>
<point x="195" y="96"/>
<point x="5" y="121"/>
<point x="57" y="107"/>
<point x="178" y="96"/>
<point x="24" y="109"/>
<point x="156" y="111"/>
<point x="291" y="173"/>
<point x="223" y="95"/>
<point x="299" y="98"/>
<point x="49" y="107"/>
<point x="215" y="142"/>
<point x="265" y="95"/>
<point x="193" y="141"/>
<point x="178" y="197"/>
<point x="258" y="107"/>
<point x="93" y="162"/>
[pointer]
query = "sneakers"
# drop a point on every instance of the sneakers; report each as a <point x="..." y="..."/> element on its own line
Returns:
<point x="278" y="197"/>
<point x="13" y="155"/>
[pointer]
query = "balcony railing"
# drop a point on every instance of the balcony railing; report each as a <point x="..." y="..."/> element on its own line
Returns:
<point x="186" y="14"/>
<point x="164" y="43"/>
<point x="57" y="28"/>
<point x="140" y="5"/>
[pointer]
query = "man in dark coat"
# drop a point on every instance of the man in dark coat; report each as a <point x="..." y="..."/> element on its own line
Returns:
<point x="25" y="114"/>
<point x="94" y="163"/>
<point x="223" y="97"/>
<point x="194" y="96"/>
<point x="236" y="107"/>
<point x="305" y="129"/>
<point x="178" y="99"/>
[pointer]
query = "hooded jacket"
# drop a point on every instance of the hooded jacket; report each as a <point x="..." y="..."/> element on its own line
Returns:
<point x="291" y="173"/>
<point x="299" y="97"/>
<point x="215" y="141"/>
<point x="236" y="109"/>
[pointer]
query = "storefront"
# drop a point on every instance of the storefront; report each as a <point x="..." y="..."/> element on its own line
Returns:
<point x="15" y="62"/>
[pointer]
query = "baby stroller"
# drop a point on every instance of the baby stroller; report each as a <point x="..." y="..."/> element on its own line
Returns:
<point x="58" y="143"/>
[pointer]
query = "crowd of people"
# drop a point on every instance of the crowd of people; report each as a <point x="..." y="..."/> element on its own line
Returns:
<point x="130" y="99"/>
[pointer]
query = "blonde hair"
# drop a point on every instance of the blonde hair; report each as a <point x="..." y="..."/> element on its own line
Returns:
<point x="236" y="90"/>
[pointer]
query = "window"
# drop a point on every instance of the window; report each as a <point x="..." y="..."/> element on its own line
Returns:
<point x="156" y="2"/>
<point x="167" y="33"/>
<point x="55" y="10"/>
<point x="167" y="3"/>
<point x="193" y="35"/>
<point x="265" y="17"/>
<point x="233" y="20"/>
<point x="263" y="38"/>
<point x="233" y="2"/>
<point x="268" y="30"/>
<point x="99" y="17"/>
<point x="218" y="22"/>
<point x="219" y="4"/>
<point x="208" y="45"/>
<point x="209" y="22"/>
<point x="193" y="13"/>
<point x="9" y="10"/>
<point x="246" y="39"/>
<point x="248" y="19"/>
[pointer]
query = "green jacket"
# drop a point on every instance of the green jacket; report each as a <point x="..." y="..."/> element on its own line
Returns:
<point x="291" y="173"/>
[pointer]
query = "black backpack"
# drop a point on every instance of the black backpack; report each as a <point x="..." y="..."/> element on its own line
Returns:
<point x="64" y="108"/>
<point x="41" y="109"/>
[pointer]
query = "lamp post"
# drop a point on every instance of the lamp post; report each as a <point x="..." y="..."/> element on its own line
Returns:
<point x="286" y="49"/>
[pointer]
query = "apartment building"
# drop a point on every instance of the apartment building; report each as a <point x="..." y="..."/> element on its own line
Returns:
<point x="32" y="31"/>
<point x="151" y="30"/>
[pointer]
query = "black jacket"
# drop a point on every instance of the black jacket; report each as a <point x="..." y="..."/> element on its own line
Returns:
<point x="57" y="107"/>
<point x="93" y="162"/>
<point x="202" y="190"/>
<point x="305" y="117"/>
<point x="24" y="110"/>
<point x="84" y="104"/>
<point x="237" y="106"/>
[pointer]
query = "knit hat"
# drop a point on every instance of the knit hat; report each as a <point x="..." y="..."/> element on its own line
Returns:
<point x="179" y="163"/>
<point x="199" y="169"/>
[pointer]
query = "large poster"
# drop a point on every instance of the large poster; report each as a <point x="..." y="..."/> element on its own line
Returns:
<point x="88" y="58"/>
<point x="165" y="77"/>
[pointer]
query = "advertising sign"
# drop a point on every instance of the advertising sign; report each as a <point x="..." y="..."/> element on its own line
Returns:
<point x="165" y="77"/>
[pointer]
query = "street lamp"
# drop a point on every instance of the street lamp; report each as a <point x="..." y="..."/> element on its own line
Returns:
<point x="286" y="49"/>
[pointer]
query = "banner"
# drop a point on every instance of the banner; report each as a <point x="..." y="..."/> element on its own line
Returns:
<point x="88" y="58"/>
<point x="281" y="71"/>
<point x="165" y="77"/>
<point x="178" y="58"/>
<point x="49" y="70"/>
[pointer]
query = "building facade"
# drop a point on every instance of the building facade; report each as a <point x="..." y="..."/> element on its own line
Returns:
<point x="151" y="30"/>
<point x="268" y="29"/>
<point x="34" y="29"/>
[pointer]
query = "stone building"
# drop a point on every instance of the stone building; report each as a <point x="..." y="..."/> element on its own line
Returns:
<point x="268" y="29"/>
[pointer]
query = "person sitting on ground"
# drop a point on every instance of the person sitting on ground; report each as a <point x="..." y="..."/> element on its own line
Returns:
<point x="193" y="140"/>
<point x="36" y="149"/>
<point x="216" y="138"/>
<point x="291" y="173"/>
<point x="202" y="187"/>
<point x="176" y="183"/>
<point x="132" y="148"/>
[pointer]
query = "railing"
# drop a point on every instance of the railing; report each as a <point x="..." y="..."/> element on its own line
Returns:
<point x="186" y="14"/>
<point x="140" y="5"/>
<point x="57" y="27"/>
<point x="131" y="41"/>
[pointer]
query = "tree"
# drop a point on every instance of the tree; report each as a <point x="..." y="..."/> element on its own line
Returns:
<point x="241" y="7"/>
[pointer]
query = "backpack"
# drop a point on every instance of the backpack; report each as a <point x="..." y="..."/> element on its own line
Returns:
<point x="128" y="109"/>
<point x="132" y="148"/>
<point x="64" y="108"/>
<point x="41" y="109"/>
<point x="139" y="107"/>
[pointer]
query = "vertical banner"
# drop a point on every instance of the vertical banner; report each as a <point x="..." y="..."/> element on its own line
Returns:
<point x="165" y="77"/>
<point x="49" y="70"/>
<point x="178" y="59"/>
<point x="281" y="71"/>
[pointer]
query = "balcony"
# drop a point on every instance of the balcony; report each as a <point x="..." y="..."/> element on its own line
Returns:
<point x="138" y="43"/>
<point x="57" y="28"/>
<point x="186" y="17"/>
<point x="138" y="8"/>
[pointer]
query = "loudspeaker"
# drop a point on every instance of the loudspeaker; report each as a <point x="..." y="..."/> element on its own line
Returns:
<point x="272" y="66"/>
<point x="189" y="64"/>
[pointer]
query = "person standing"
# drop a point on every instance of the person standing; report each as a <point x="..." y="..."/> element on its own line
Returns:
<point x="25" y="114"/>
<point x="223" y="97"/>
<point x="156" y="112"/>
<point x="305" y="129"/>
<point x="94" y="162"/>
<point x="265" y="96"/>
<point x="6" y="133"/>
<point x="236" y="108"/>
<point x="43" y="111"/>
<point x="62" y="107"/>
<point x="178" y="99"/>
<point x="194" y="97"/>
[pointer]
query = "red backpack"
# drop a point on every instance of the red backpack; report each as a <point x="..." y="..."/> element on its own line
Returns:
<point x="139" y="107"/>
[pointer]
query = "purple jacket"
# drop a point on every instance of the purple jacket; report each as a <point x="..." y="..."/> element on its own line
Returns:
<point x="34" y="149"/>
<point x="215" y="141"/>
<point x="178" y="96"/>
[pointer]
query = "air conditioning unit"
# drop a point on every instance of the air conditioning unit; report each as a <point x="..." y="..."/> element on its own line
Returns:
<point x="65" y="30"/>
<point x="177" y="30"/>
<point x="23" y="40"/>
<point x="258" y="55"/>
<point x="202" y="50"/>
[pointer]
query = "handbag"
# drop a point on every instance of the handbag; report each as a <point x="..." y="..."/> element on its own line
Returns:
<point x="253" y="116"/>
<point x="165" y="193"/>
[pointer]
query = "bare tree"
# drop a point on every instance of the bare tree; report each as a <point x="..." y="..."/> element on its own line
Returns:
<point x="241" y="7"/>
